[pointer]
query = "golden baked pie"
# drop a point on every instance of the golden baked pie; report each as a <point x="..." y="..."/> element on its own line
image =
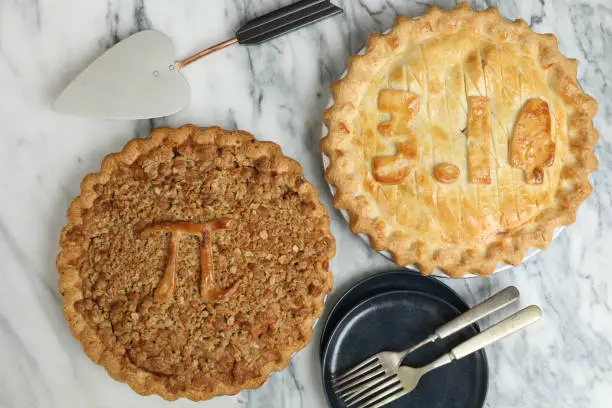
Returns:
<point x="460" y="140"/>
<point x="195" y="262"/>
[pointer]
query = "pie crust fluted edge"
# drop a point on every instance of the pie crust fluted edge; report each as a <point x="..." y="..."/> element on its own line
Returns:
<point x="510" y="248"/>
<point x="120" y="368"/>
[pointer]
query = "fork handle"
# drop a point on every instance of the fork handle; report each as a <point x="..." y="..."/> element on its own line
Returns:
<point x="485" y="308"/>
<point x="498" y="331"/>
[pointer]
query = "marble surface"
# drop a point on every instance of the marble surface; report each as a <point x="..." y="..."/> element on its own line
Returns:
<point x="278" y="92"/>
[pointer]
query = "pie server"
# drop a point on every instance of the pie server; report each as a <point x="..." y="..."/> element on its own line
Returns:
<point x="139" y="77"/>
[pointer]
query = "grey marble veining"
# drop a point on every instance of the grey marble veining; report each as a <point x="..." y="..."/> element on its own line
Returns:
<point x="276" y="91"/>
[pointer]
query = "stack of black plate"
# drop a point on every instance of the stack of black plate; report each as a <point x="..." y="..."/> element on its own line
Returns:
<point x="392" y="311"/>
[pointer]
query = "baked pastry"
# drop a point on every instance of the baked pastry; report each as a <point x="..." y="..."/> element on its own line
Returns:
<point x="195" y="262"/>
<point x="460" y="140"/>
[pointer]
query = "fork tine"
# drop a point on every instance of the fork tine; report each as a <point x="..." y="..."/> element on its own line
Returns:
<point x="358" y="381"/>
<point x="353" y="392"/>
<point x="367" y="362"/>
<point x="391" y="395"/>
<point x="352" y="400"/>
<point x="354" y="378"/>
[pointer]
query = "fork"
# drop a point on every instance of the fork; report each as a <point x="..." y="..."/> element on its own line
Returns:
<point x="381" y="391"/>
<point x="387" y="362"/>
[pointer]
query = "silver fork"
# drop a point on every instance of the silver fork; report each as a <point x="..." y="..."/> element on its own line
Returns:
<point x="386" y="362"/>
<point x="378" y="392"/>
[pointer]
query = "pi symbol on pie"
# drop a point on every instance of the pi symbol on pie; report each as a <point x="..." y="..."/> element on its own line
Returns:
<point x="209" y="290"/>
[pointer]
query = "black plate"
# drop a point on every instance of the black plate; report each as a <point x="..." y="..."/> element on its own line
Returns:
<point x="385" y="282"/>
<point x="394" y="321"/>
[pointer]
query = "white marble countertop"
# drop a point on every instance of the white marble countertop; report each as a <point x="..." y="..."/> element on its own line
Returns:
<point x="278" y="92"/>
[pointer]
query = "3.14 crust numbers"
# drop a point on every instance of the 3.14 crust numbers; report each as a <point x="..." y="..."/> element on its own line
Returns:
<point x="530" y="147"/>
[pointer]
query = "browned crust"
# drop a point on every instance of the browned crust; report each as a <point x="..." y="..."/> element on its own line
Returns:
<point x="511" y="247"/>
<point x="69" y="259"/>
